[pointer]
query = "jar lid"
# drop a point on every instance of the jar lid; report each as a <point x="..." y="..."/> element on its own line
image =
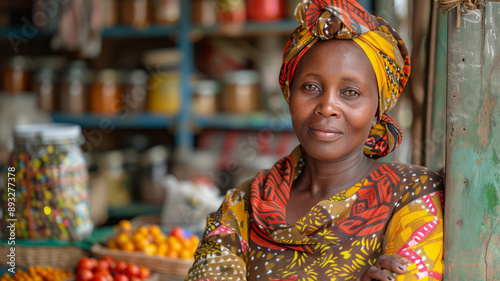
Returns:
<point x="108" y="75"/>
<point x="207" y="87"/>
<point x="137" y="77"/>
<point x="48" y="132"/>
<point x="241" y="77"/>
<point x="162" y="57"/>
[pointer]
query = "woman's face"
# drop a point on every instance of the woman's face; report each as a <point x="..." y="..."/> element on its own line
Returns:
<point x="333" y="100"/>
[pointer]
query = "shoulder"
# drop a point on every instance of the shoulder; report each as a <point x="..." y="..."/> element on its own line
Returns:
<point x="414" y="182"/>
<point x="240" y="193"/>
<point x="415" y="174"/>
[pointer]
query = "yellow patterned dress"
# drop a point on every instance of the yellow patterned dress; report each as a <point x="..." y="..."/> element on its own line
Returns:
<point x="397" y="209"/>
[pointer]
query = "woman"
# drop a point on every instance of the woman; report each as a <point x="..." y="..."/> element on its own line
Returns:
<point x="330" y="211"/>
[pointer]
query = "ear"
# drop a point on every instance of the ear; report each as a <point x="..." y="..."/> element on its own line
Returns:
<point x="374" y="121"/>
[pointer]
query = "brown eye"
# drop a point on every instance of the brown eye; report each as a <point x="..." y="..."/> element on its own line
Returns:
<point x="351" y="93"/>
<point x="311" y="87"/>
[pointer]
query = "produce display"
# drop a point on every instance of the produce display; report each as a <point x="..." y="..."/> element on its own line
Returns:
<point x="179" y="243"/>
<point x="107" y="269"/>
<point x="37" y="273"/>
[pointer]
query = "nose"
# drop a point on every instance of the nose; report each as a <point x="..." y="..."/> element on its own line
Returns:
<point x="328" y="104"/>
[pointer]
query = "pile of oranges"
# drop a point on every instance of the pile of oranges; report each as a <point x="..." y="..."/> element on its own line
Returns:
<point x="152" y="241"/>
<point x="37" y="273"/>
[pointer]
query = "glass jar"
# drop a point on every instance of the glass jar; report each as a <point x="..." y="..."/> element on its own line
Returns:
<point x="231" y="15"/>
<point x="166" y="11"/>
<point x="105" y="93"/>
<point x="134" y="91"/>
<point x="45" y="88"/>
<point x="205" y="97"/>
<point x="204" y="12"/>
<point x="264" y="10"/>
<point x="241" y="93"/>
<point x="74" y="89"/>
<point x="16" y="75"/>
<point x="51" y="186"/>
<point x="164" y="93"/>
<point x="135" y="12"/>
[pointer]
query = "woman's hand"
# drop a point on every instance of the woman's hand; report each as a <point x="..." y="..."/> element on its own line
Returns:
<point x="393" y="263"/>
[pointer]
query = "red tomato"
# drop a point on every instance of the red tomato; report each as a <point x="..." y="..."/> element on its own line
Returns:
<point x="120" y="267"/>
<point x="85" y="263"/>
<point x="103" y="264"/>
<point x="121" y="277"/>
<point x="135" y="279"/>
<point x="111" y="262"/>
<point x="132" y="270"/>
<point x="177" y="232"/>
<point x="84" y="274"/>
<point x="144" y="272"/>
<point x="100" y="277"/>
<point x="94" y="262"/>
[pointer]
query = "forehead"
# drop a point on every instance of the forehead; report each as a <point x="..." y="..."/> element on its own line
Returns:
<point x="337" y="58"/>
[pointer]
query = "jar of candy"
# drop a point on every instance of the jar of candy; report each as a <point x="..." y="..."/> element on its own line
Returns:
<point x="51" y="183"/>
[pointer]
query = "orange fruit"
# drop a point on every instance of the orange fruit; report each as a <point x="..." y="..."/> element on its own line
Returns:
<point x="125" y="225"/>
<point x="122" y="239"/>
<point x="174" y="244"/>
<point x="194" y="241"/>
<point x="141" y="244"/>
<point x="159" y="239"/>
<point x="111" y="243"/>
<point x="155" y="230"/>
<point x="150" y="249"/>
<point x="144" y="230"/>
<point x="162" y="249"/>
<point x="172" y="254"/>
<point x="128" y="247"/>
<point x="185" y="254"/>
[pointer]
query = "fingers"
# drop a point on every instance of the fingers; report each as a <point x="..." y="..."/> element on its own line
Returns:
<point x="394" y="263"/>
<point x="390" y="263"/>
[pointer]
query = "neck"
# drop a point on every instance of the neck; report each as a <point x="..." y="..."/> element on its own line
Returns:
<point x="326" y="178"/>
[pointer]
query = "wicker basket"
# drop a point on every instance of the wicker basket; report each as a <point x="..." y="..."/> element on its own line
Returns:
<point x="63" y="257"/>
<point x="171" y="267"/>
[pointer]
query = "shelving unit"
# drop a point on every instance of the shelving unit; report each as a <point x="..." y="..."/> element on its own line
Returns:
<point x="184" y="122"/>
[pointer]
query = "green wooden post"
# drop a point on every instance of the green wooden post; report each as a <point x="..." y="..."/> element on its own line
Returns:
<point x="435" y="143"/>
<point x="472" y="210"/>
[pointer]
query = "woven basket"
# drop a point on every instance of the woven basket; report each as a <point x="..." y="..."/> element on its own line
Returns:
<point x="172" y="267"/>
<point x="63" y="257"/>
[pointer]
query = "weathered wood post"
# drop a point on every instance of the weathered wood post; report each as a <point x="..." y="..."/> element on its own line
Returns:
<point x="472" y="209"/>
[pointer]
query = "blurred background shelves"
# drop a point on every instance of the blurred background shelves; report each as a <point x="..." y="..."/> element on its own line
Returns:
<point x="247" y="122"/>
<point x="121" y="121"/>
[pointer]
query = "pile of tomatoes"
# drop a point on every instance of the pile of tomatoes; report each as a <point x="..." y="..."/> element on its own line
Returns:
<point x="107" y="269"/>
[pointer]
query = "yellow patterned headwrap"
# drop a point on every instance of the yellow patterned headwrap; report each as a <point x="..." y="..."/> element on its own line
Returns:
<point x="384" y="47"/>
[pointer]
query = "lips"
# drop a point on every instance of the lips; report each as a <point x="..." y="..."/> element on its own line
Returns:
<point x="324" y="132"/>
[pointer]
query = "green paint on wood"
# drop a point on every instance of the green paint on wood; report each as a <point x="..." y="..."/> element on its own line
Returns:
<point x="491" y="197"/>
<point x="472" y="222"/>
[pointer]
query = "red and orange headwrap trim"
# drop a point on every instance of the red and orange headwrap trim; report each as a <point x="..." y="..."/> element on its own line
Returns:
<point x="383" y="46"/>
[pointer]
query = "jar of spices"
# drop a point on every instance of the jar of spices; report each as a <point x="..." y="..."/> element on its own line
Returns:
<point x="241" y="92"/>
<point x="135" y="12"/>
<point x="74" y="88"/>
<point x="164" y="93"/>
<point x="106" y="93"/>
<point x="166" y="11"/>
<point x="135" y="91"/>
<point x="52" y="199"/>
<point x="265" y="10"/>
<point x="16" y="75"/>
<point x="204" y="12"/>
<point x="45" y="89"/>
<point x="205" y="97"/>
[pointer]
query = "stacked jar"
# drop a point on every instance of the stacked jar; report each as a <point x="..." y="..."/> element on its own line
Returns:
<point x="51" y="187"/>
